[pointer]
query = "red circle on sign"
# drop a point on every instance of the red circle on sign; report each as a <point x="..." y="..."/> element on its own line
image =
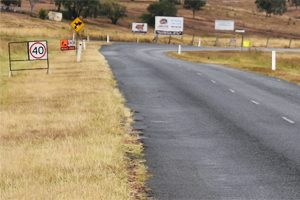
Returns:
<point x="37" y="57"/>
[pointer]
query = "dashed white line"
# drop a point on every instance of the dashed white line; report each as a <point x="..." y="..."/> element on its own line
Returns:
<point x="232" y="91"/>
<point x="213" y="81"/>
<point x="288" y="120"/>
<point x="255" y="102"/>
<point x="159" y="122"/>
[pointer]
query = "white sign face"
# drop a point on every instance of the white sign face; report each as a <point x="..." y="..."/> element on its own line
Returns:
<point x="139" y="27"/>
<point x="240" y="31"/>
<point x="224" y="25"/>
<point x="168" y="25"/>
<point x="37" y="50"/>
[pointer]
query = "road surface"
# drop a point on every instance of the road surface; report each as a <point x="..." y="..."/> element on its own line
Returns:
<point x="210" y="132"/>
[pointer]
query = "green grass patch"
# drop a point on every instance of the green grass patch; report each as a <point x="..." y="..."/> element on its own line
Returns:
<point x="288" y="64"/>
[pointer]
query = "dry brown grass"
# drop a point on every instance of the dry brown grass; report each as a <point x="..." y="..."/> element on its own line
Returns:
<point x="288" y="67"/>
<point x="66" y="135"/>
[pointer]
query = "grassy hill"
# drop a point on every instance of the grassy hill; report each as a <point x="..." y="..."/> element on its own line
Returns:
<point x="244" y="13"/>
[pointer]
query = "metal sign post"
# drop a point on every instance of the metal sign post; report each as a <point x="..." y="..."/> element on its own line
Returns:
<point x="35" y="50"/>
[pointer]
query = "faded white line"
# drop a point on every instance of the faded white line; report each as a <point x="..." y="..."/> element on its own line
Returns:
<point x="199" y="74"/>
<point x="213" y="81"/>
<point x="232" y="91"/>
<point x="159" y="122"/>
<point x="288" y="120"/>
<point x="255" y="102"/>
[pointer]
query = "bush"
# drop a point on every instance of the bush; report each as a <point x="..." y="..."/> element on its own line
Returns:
<point x="42" y="14"/>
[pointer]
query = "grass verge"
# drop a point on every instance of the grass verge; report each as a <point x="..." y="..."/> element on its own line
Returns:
<point x="66" y="135"/>
<point x="288" y="67"/>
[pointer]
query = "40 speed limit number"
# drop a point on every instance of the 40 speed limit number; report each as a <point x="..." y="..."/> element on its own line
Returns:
<point x="38" y="50"/>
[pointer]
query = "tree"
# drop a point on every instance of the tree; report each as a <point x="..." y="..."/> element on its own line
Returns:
<point x="114" y="11"/>
<point x="194" y="5"/>
<point x="276" y="7"/>
<point x="11" y="2"/>
<point x="77" y="8"/>
<point x="32" y="5"/>
<point x="296" y="3"/>
<point x="162" y="8"/>
<point x="58" y="4"/>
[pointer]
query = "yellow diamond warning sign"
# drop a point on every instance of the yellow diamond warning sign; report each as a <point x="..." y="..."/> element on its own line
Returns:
<point x="77" y="24"/>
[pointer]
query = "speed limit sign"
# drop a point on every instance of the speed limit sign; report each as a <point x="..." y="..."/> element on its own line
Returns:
<point x="38" y="50"/>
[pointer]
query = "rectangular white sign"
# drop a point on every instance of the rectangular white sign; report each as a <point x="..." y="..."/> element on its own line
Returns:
<point x="168" y="25"/>
<point x="139" y="27"/>
<point x="37" y="50"/>
<point x="224" y="25"/>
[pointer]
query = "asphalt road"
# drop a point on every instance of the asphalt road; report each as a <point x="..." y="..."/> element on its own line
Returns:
<point x="211" y="132"/>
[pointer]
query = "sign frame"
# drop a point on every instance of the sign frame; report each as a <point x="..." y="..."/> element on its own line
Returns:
<point x="11" y="61"/>
<point x="169" y="25"/>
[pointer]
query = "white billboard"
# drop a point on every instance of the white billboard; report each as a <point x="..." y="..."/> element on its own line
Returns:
<point x="224" y="25"/>
<point x="168" y="25"/>
<point x="139" y="27"/>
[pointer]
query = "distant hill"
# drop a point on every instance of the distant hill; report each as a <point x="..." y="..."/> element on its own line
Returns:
<point x="244" y="13"/>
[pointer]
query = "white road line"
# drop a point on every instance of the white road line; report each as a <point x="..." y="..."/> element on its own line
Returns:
<point x="288" y="120"/>
<point x="255" y="102"/>
<point x="199" y="74"/>
<point x="159" y="122"/>
<point x="231" y="90"/>
<point x="213" y="81"/>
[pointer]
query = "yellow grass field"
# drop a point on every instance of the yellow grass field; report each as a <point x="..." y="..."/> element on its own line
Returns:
<point x="288" y="64"/>
<point x="66" y="135"/>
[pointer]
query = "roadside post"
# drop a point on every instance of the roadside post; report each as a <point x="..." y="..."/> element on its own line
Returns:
<point x="179" y="49"/>
<point x="242" y="32"/>
<point x="79" y="50"/>
<point x="77" y="24"/>
<point x="273" y="60"/>
<point x="84" y="44"/>
<point x="199" y="42"/>
<point x="107" y="39"/>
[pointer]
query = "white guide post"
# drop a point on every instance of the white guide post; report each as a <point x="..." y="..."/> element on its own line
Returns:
<point x="79" y="49"/>
<point x="73" y="38"/>
<point x="179" y="49"/>
<point x="273" y="60"/>
<point x="199" y="42"/>
<point x="107" y="39"/>
<point x="88" y="38"/>
<point x="84" y="44"/>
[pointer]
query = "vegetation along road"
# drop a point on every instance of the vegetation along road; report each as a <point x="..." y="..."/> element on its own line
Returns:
<point x="211" y="132"/>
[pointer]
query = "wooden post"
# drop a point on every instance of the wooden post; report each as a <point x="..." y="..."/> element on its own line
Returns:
<point x="290" y="44"/>
<point x="267" y="44"/>
<point x="193" y="38"/>
<point x="170" y="37"/>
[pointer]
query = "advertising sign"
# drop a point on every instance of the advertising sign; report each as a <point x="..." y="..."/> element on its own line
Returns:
<point x="67" y="45"/>
<point x="139" y="27"/>
<point x="224" y="25"/>
<point x="168" y="25"/>
<point x="37" y="50"/>
<point x="77" y="24"/>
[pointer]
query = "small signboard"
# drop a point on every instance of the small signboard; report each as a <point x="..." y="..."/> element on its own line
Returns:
<point x="77" y="24"/>
<point x="240" y="31"/>
<point x="67" y="45"/>
<point x="169" y="25"/>
<point x="224" y="25"/>
<point x="37" y="50"/>
<point x="139" y="27"/>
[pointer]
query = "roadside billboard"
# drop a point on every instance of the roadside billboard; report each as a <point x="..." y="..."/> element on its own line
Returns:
<point x="224" y="25"/>
<point x="168" y="25"/>
<point x="139" y="27"/>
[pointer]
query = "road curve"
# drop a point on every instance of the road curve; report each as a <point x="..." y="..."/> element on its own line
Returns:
<point x="210" y="132"/>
